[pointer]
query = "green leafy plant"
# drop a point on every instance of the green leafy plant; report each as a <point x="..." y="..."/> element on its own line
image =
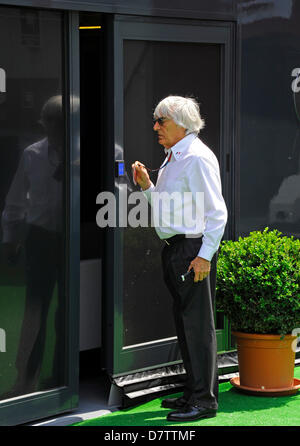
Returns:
<point x="258" y="282"/>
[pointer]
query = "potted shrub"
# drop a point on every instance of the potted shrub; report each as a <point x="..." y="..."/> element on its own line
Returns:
<point x="258" y="289"/>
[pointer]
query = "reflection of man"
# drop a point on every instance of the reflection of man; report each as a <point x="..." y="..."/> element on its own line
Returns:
<point x="192" y="167"/>
<point x="284" y="209"/>
<point x="34" y="201"/>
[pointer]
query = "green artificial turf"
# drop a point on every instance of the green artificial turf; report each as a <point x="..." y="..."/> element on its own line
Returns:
<point x="235" y="409"/>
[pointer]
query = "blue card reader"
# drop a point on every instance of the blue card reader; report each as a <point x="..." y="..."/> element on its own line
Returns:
<point x="120" y="168"/>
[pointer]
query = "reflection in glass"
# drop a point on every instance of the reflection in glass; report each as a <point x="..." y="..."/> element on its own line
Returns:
<point x="32" y="298"/>
<point x="270" y="133"/>
<point x="284" y="209"/>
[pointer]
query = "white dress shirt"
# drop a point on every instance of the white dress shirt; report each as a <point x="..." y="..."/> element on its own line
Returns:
<point x="193" y="168"/>
<point x="35" y="196"/>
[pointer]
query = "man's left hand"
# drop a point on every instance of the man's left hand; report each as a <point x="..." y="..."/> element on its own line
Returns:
<point x="201" y="268"/>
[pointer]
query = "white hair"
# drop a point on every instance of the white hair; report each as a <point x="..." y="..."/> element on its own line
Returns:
<point x="52" y="109"/>
<point x="185" y="112"/>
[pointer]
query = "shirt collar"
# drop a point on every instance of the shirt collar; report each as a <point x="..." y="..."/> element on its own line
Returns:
<point x="182" y="145"/>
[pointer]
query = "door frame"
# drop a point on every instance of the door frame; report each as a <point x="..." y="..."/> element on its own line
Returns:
<point x="120" y="360"/>
<point x="62" y="399"/>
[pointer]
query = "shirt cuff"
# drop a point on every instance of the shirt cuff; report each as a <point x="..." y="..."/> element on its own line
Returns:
<point x="10" y="237"/>
<point x="206" y="252"/>
<point x="147" y="192"/>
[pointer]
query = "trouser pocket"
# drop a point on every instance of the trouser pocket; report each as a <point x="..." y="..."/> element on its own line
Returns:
<point x="184" y="252"/>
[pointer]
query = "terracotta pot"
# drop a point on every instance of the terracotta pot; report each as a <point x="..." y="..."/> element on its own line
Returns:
<point x="265" y="361"/>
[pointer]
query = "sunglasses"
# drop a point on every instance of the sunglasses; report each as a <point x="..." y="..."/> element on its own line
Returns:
<point x="159" y="120"/>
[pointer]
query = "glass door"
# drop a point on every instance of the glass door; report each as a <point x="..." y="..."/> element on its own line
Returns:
<point x="37" y="230"/>
<point x="151" y="61"/>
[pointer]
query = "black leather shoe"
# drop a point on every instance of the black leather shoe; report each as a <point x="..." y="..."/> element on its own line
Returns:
<point x="191" y="413"/>
<point x="174" y="403"/>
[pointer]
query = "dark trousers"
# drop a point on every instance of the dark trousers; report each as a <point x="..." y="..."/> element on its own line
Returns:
<point x="44" y="269"/>
<point x="194" y="321"/>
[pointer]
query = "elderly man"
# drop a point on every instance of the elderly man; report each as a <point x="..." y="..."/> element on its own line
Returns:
<point x="32" y="217"/>
<point x="190" y="166"/>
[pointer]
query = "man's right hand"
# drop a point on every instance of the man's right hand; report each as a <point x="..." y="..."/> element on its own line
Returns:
<point x="11" y="253"/>
<point x="141" y="175"/>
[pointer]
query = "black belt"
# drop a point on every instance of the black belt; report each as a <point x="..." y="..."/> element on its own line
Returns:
<point x="176" y="238"/>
